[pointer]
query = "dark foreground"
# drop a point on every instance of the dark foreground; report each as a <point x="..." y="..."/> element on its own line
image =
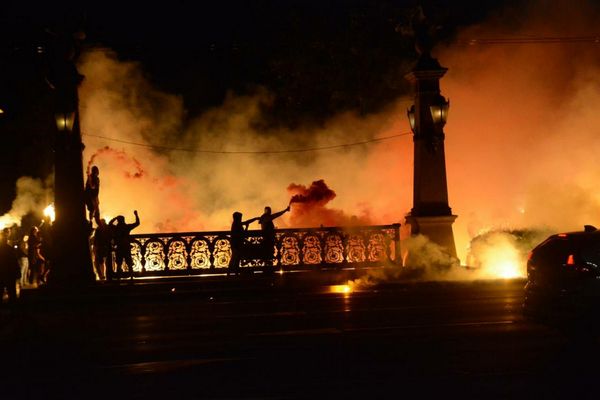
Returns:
<point x="289" y="338"/>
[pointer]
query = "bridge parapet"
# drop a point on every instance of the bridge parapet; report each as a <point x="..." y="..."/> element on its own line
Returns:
<point x="198" y="253"/>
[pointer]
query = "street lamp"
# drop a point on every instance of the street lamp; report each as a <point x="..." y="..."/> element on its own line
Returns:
<point x="439" y="111"/>
<point x="71" y="261"/>
<point x="65" y="121"/>
<point x="411" y="117"/>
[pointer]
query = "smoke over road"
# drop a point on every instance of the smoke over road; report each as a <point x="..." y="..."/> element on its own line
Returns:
<point x="521" y="141"/>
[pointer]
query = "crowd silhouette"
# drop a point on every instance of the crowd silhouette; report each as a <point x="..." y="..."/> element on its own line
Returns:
<point x="242" y="249"/>
<point x="25" y="261"/>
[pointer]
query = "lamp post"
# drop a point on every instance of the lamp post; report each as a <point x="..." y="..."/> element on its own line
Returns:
<point x="430" y="215"/>
<point x="71" y="265"/>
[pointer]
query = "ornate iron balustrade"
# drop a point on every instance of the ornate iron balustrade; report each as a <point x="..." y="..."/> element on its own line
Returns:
<point x="197" y="253"/>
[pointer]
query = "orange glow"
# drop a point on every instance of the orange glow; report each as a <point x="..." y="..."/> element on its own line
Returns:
<point x="502" y="260"/>
<point x="570" y="260"/>
<point x="8" y="220"/>
<point x="491" y="141"/>
<point x="49" y="212"/>
<point x="344" y="289"/>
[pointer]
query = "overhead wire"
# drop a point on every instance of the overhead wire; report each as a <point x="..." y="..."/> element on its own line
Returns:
<point x="533" y="40"/>
<point x="300" y="150"/>
<point x="483" y="41"/>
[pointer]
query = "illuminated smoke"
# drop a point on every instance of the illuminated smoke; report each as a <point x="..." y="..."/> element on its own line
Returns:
<point x="521" y="142"/>
<point x="117" y="102"/>
<point x="32" y="197"/>
<point x="524" y="131"/>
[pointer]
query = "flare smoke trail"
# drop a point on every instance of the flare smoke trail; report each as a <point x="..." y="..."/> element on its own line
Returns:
<point x="120" y="158"/>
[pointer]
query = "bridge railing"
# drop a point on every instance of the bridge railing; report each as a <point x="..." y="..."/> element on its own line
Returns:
<point x="198" y="253"/>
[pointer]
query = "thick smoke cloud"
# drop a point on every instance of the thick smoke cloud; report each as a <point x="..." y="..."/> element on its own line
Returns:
<point x="524" y="134"/>
<point x="200" y="185"/>
<point x="309" y="207"/>
<point x="118" y="102"/>
<point x="33" y="195"/>
<point x="521" y="141"/>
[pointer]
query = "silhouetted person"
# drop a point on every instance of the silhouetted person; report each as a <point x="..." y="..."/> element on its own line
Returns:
<point x="45" y="230"/>
<point x="23" y="261"/>
<point x="35" y="257"/>
<point x="9" y="268"/>
<point x="238" y="234"/>
<point x="268" y="235"/>
<point x="103" y="250"/>
<point x="92" y="191"/>
<point x="121" y="235"/>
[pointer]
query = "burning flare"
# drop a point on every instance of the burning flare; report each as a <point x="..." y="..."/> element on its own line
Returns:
<point x="503" y="261"/>
<point x="344" y="289"/>
<point x="49" y="212"/>
<point x="8" y="220"/>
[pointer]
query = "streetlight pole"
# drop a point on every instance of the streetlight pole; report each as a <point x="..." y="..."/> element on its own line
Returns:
<point x="431" y="214"/>
<point x="71" y="261"/>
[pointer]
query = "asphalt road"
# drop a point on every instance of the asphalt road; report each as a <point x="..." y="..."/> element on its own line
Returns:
<point x="272" y="338"/>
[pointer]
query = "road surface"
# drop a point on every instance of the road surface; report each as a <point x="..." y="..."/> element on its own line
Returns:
<point x="273" y="338"/>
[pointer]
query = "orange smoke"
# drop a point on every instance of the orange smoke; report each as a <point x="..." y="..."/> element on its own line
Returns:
<point x="161" y="198"/>
<point x="310" y="207"/>
<point x="521" y="142"/>
<point x="523" y="129"/>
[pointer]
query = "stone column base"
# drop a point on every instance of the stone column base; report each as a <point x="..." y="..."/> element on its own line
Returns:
<point x="437" y="229"/>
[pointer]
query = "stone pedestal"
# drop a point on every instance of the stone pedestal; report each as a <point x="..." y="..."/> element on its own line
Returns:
<point x="437" y="229"/>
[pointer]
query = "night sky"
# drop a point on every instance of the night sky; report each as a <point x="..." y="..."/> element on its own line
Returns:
<point x="318" y="58"/>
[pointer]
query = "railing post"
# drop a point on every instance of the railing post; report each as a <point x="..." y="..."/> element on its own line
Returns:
<point x="397" y="251"/>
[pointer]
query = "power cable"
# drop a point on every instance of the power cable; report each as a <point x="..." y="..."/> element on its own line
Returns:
<point x="304" y="150"/>
<point x="534" y="40"/>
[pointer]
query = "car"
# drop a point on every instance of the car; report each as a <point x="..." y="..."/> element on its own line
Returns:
<point x="563" y="280"/>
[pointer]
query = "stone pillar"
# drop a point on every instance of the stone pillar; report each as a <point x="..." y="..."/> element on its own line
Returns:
<point x="71" y="264"/>
<point x="431" y="215"/>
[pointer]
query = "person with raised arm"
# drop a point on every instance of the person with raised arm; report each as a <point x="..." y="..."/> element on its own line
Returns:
<point x="268" y="235"/>
<point x="121" y="233"/>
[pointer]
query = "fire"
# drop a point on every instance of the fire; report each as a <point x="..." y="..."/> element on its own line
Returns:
<point x="8" y="220"/>
<point x="507" y="269"/>
<point x="49" y="212"/>
<point x="344" y="289"/>
<point x="503" y="261"/>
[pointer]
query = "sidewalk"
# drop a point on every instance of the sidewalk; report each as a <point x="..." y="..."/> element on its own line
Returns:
<point x="169" y="288"/>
